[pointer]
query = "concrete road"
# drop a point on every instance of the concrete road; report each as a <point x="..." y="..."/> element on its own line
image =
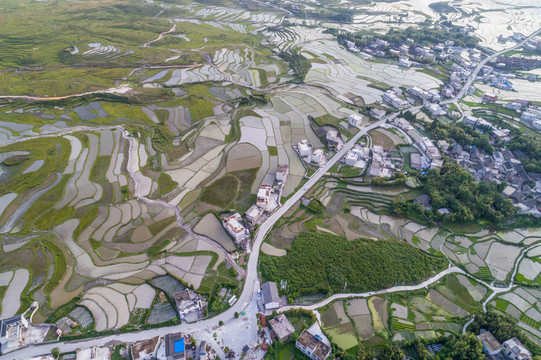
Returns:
<point x="251" y="282"/>
<point x="424" y="284"/>
<point x="483" y="62"/>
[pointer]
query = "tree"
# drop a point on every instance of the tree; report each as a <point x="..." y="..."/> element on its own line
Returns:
<point x="365" y="354"/>
<point x="55" y="352"/>
<point x="453" y="187"/>
<point x="236" y="315"/>
<point x="468" y="347"/>
<point x="221" y="323"/>
<point x="323" y="263"/>
<point x="316" y="207"/>
<point x="391" y="352"/>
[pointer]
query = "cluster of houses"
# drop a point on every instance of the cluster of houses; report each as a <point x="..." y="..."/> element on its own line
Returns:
<point x="311" y="342"/>
<point x="517" y="62"/>
<point x="377" y="47"/>
<point x="511" y="349"/>
<point x="268" y="200"/>
<point x="405" y="52"/>
<point x="431" y="95"/>
<point x="465" y="60"/>
<point x="174" y="346"/>
<point x="394" y="98"/>
<point x="308" y="155"/>
<point x="498" y="75"/>
<point x="432" y="156"/>
<point x="357" y="156"/>
<point x="533" y="44"/>
<point x="481" y="125"/>
<point x="522" y="189"/>
<point x="516" y="37"/>
<point x="532" y="114"/>
<point x="383" y="163"/>
<point x="448" y="50"/>
<point x="458" y="77"/>
<point x="17" y="331"/>
<point x="499" y="80"/>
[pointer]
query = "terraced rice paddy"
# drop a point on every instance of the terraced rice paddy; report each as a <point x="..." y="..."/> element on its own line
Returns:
<point x="112" y="239"/>
<point x="242" y="157"/>
<point x="359" y="313"/>
<point x="210" y="226"/>
<point x="338" y="326"/>
<point x="342" y="77"/>
<point x="15" y="281"/>
<point x="101" y="241"/>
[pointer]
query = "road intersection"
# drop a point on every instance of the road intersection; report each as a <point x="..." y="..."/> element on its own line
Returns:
<point x="251" y="284"/>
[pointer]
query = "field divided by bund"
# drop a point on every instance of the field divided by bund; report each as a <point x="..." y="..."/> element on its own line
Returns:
<point x="96" y="231"/>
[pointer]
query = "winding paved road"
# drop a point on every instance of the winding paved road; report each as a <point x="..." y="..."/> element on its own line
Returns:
<point x="483" y="62"/>
<point x="251" y="281"/>
<point x="424" y="284"/>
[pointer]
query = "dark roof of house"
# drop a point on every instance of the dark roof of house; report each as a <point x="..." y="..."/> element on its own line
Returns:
<point x="508" y="154"/>
<point x="319" y="348"/>
<point x="517" y="196"/>
<point x="507" y="166"/>
<point x="5" y="324"/>
<point x="270" y="292"/>
<point x="530" y="203"/>
<point x="423" y="199"/>
<point x="519" y="154"/>
<point x="146" y="347"/>
<point x="523" y="175"/>
<point x="202" y="348"/>
<point x="489" y="341"/>
<point x="170" y="340"/>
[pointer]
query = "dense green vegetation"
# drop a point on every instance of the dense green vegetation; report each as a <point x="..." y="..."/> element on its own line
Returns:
<point x="442" y="7"/>
<point x="221" y="192"/>
<point x="45" y="52"/>
<point x="165" y="184"/>
<point x="461" y="133"/>
<point x="316" y="207"/>
<point x="453" y="187"/>
<point x="245" y="198"/>
<point x="339" y="15"/>
<point x="298" y="63"/>
<point x="421" y="35"/>
<point x="431" y="36"/>
<point x="54" y="152"/>
<point x="531" y="147"/>
<point x="324" y="263"/>
<point x="468" y="347"/>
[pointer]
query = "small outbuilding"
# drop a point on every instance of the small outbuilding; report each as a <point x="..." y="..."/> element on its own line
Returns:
<point x="271" y="299"/>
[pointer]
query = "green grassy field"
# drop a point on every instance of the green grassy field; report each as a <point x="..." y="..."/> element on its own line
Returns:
<point x="221" y="192"/>
<point x="50" y="54"/>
